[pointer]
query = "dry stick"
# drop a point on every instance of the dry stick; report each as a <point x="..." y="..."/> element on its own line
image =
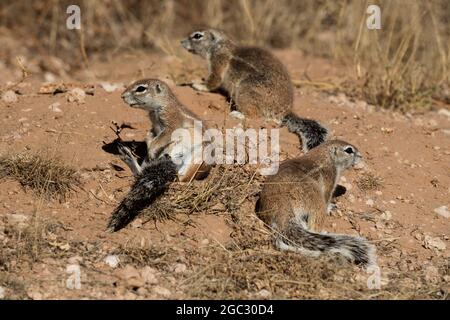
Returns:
<point x="439" y="43"/>
<point x="358" y="40"/>
<point x="25" y="75"/>
<point x="387" y="239"/>
<point x="83" y="49"/>
<point x="315" y="84"/>
<point x="245" y="6"/>
<point x="101" y="187"/>
<point x="93" y="194"/>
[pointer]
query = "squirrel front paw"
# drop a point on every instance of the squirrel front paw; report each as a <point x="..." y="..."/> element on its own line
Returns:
<point x="125" y="153"/>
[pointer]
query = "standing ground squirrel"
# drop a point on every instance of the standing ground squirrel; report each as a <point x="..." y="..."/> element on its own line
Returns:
<point x="295" y="201"/>
<point x="167" y="158"/>
<point x="255" y="80"/>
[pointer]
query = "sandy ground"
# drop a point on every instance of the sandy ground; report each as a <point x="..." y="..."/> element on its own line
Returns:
<point x="410" y="154"/>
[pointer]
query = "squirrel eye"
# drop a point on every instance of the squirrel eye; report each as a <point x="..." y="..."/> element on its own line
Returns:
<point x="349" y="150"/>
<point x="197" y="36"/>
<point x="141" y="89"/>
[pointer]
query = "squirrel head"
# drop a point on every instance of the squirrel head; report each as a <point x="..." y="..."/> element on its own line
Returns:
<point x="148" y="94"/>
<point x="343" y="154"/>
<point x="203" y="41"/>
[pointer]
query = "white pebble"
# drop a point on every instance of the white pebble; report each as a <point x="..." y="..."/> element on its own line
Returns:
<point x="443" y="211"/>
<point x="55" y="107"/>
<point x="237" y="115"/>
<point x="76" y="95"/>
<point x="444" y="112"/>
<point x="111" y="87"/>
<point x="112" y="261"/>
<point x="162" y="291"/>
<point x="264" y="294"/>
<point x="9" y="96"/>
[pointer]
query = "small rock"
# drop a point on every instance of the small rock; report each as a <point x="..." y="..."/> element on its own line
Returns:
<point x="55" y="107"/>
<point x="179" y="268"/>
<point x="359" y="166"/>
<point x="162" y="291"/>
<point x="129" y="296"/>
<point x="141" y="291"/>
<point x="432" y="274"/>
<point x="132" y="276"/>
<point x="137" y="223"/>
<point x="112" y="261"/>
<point x="75" y="260"/>
<point x="9" y="96"/>
<point x="443" y="211"/>
<point x="2" y="293"/>
<point x="237" y="115"/>
<point x="204" y="242"/>
<point x="49" y="77"/>
<point x="111" y="87"/>
<point x="219" y="206"/>
<point x="370" y="202"/>
<point x="351" y="197"/>
<point x="19" y="220"/>
<point x="387" y="215"/>
<point x="76" y="95"/>
<point x="444" y="112"/>
<point x="148" y="274"/>
<point x="434" y="243"/>
<point x="264" y="294"/>
<point x="34" y="294"/>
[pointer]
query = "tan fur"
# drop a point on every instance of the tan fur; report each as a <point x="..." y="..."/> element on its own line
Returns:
<point x="304" y="186"/>
<point x="166" y="114"/>
<point x="255" y="80"/>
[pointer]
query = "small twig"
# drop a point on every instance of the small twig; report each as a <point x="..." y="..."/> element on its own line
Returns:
<point x="386" y="239"/>
<point x="25" y="75"/>
<point x="317" y="84"/>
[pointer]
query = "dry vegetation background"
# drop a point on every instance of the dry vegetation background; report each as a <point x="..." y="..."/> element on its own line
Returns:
<point x="405" y="65"/>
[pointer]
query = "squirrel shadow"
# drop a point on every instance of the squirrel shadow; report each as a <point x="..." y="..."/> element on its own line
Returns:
<point x="339" y="191"/>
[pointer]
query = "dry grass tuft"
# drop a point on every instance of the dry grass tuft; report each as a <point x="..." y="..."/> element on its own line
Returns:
<point x="48" y="177"/>
<point x="406" y="63"/>
<point x="242" y="274"/>
<point x="224" y="190"/>
<point x="156" y="257"/>
<point x="369" y="181"/>
<point x="27" y="243"/>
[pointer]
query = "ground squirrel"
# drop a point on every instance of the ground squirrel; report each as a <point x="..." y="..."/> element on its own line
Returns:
<point x="295" y="201"/>
<point x="167" y="158"/>
<point x="256" y="81"/>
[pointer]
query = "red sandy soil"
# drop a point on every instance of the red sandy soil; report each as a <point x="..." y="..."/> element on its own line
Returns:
<point x="410" y="153"/>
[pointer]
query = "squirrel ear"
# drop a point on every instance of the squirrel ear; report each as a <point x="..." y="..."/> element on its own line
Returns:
<point x="158" y="88"/>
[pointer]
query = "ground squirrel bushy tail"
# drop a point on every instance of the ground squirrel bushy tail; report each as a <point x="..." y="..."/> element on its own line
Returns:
<point x="295" y="237"/>
<point x="150" y="183"/>
<point x="310" y="132"/>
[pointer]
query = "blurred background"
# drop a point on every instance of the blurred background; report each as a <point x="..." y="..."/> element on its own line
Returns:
<point x="405" y="65"/>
